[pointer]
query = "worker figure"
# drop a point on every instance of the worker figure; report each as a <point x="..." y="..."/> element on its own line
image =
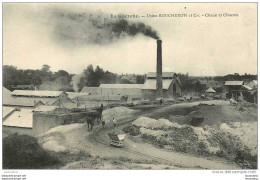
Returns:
<point x="114" y="122"/>
<point x="99" y="110"/>
<point x="103" y="122"/>
<point x="161" y="101"/>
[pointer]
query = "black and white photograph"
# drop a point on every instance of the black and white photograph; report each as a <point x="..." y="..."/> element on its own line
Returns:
<point x="130" y="86"/>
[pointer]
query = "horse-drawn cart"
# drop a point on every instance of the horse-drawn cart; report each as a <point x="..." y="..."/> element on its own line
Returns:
<point x="116" y="138"/>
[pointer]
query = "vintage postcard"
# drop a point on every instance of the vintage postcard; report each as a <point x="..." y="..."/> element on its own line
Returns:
<point x="130" y="86"/>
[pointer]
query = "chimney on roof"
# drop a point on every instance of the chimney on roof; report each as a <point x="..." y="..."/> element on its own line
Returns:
<point x="159" y="86"/>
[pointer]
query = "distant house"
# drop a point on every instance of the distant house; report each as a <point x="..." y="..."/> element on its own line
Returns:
<point x="210" y="92"/>
<point x="171" y="86"/>
<point x="234" y="89"/>
<point x="253" y="84"/>
<point x="203" y="82"/>
<point x="234" y="83"/>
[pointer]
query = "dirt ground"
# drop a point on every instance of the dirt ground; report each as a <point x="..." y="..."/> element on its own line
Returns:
<point x="142" y="151"/>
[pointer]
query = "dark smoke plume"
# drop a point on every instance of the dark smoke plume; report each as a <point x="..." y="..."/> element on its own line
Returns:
<point x="83" y="28"/>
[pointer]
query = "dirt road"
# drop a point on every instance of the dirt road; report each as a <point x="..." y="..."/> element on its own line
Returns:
<point x="96" y="144"/>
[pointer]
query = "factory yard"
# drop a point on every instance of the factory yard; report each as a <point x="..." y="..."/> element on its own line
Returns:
<point x="190" y="135"/>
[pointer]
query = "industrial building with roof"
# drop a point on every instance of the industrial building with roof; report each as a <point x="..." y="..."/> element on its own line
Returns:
<point x="170" y="82"/>
<point x="253" y="84"/>
<point x="233" y="89"/>
<point x="91" y="90"/>
<point x="9" y="100"/>
<point x="238" y="91"/>
<point x="114" y="89"/>
<point x="112" y="93"/>
<point x="26" y="97"/>
<point x="210" y="92"/>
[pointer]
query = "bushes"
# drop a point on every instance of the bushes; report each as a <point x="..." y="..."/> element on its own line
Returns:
<point x="232" y="149"/>
<point x="24" y="152"/>
<point x="133" y="130"/>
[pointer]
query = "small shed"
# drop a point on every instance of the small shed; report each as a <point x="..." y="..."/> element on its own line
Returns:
<point x="253" y="84"/>
<point x="210" y="92"/>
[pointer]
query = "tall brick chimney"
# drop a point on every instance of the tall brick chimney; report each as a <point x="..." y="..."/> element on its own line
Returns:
<point x="159" y="86"/>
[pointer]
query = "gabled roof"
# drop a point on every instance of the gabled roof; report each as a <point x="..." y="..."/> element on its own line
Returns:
<point x="21" y="101"/>
<point x="7" y="111"/>
<point x="36" y="93"/>
<point x="164" y="74"/>
<point x="234" y="83"/>
<point x="247" y="87"/>
<point x="253" y="84"/>
<point x="44" y="108"/>
<point x="22" y="118"/>
<point x="55" y="101"/>
<point x="151" y="84"/>
<point x="6" y="91"/>
<point x="122" y="86"/>
<point x="6" y="95"/>
<point x="210" y="90"/>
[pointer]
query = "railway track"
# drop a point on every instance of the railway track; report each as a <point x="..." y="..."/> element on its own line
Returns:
<point x="97" y="137"/>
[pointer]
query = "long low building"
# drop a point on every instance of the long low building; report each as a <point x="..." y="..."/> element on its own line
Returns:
<point x="114" y="89"/>
<point x="26" y="98"/>
<point x="121" y="89"/>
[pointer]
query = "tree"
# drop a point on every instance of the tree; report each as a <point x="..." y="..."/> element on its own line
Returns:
<point x="46" y="68"/>
<point x="125" y="81"/>
<point x="197" y="87"/>
<point x="140" y="79"/>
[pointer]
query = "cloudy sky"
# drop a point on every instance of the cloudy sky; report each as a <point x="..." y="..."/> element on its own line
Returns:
<point x="69" y="37"/>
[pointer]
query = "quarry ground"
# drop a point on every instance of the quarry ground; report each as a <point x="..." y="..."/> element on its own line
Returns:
<point x="161" y="137"/>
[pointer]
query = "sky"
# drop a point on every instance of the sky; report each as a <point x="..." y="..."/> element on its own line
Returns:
<point x="64" y="37"/>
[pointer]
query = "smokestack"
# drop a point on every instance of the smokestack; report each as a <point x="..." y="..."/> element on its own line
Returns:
<point x="159" y="86"/>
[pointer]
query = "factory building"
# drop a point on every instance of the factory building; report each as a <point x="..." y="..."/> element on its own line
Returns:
<point x="171" y="86"/>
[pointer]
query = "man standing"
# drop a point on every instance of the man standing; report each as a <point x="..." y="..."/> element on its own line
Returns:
<point x="103" y="122"/>
<point x="161" y="101"/>
<point x="114" y="122"/>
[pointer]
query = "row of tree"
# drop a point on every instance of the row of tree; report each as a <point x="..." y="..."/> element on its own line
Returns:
<point x="94" y="78"/>
<point x="45" y="79"/>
